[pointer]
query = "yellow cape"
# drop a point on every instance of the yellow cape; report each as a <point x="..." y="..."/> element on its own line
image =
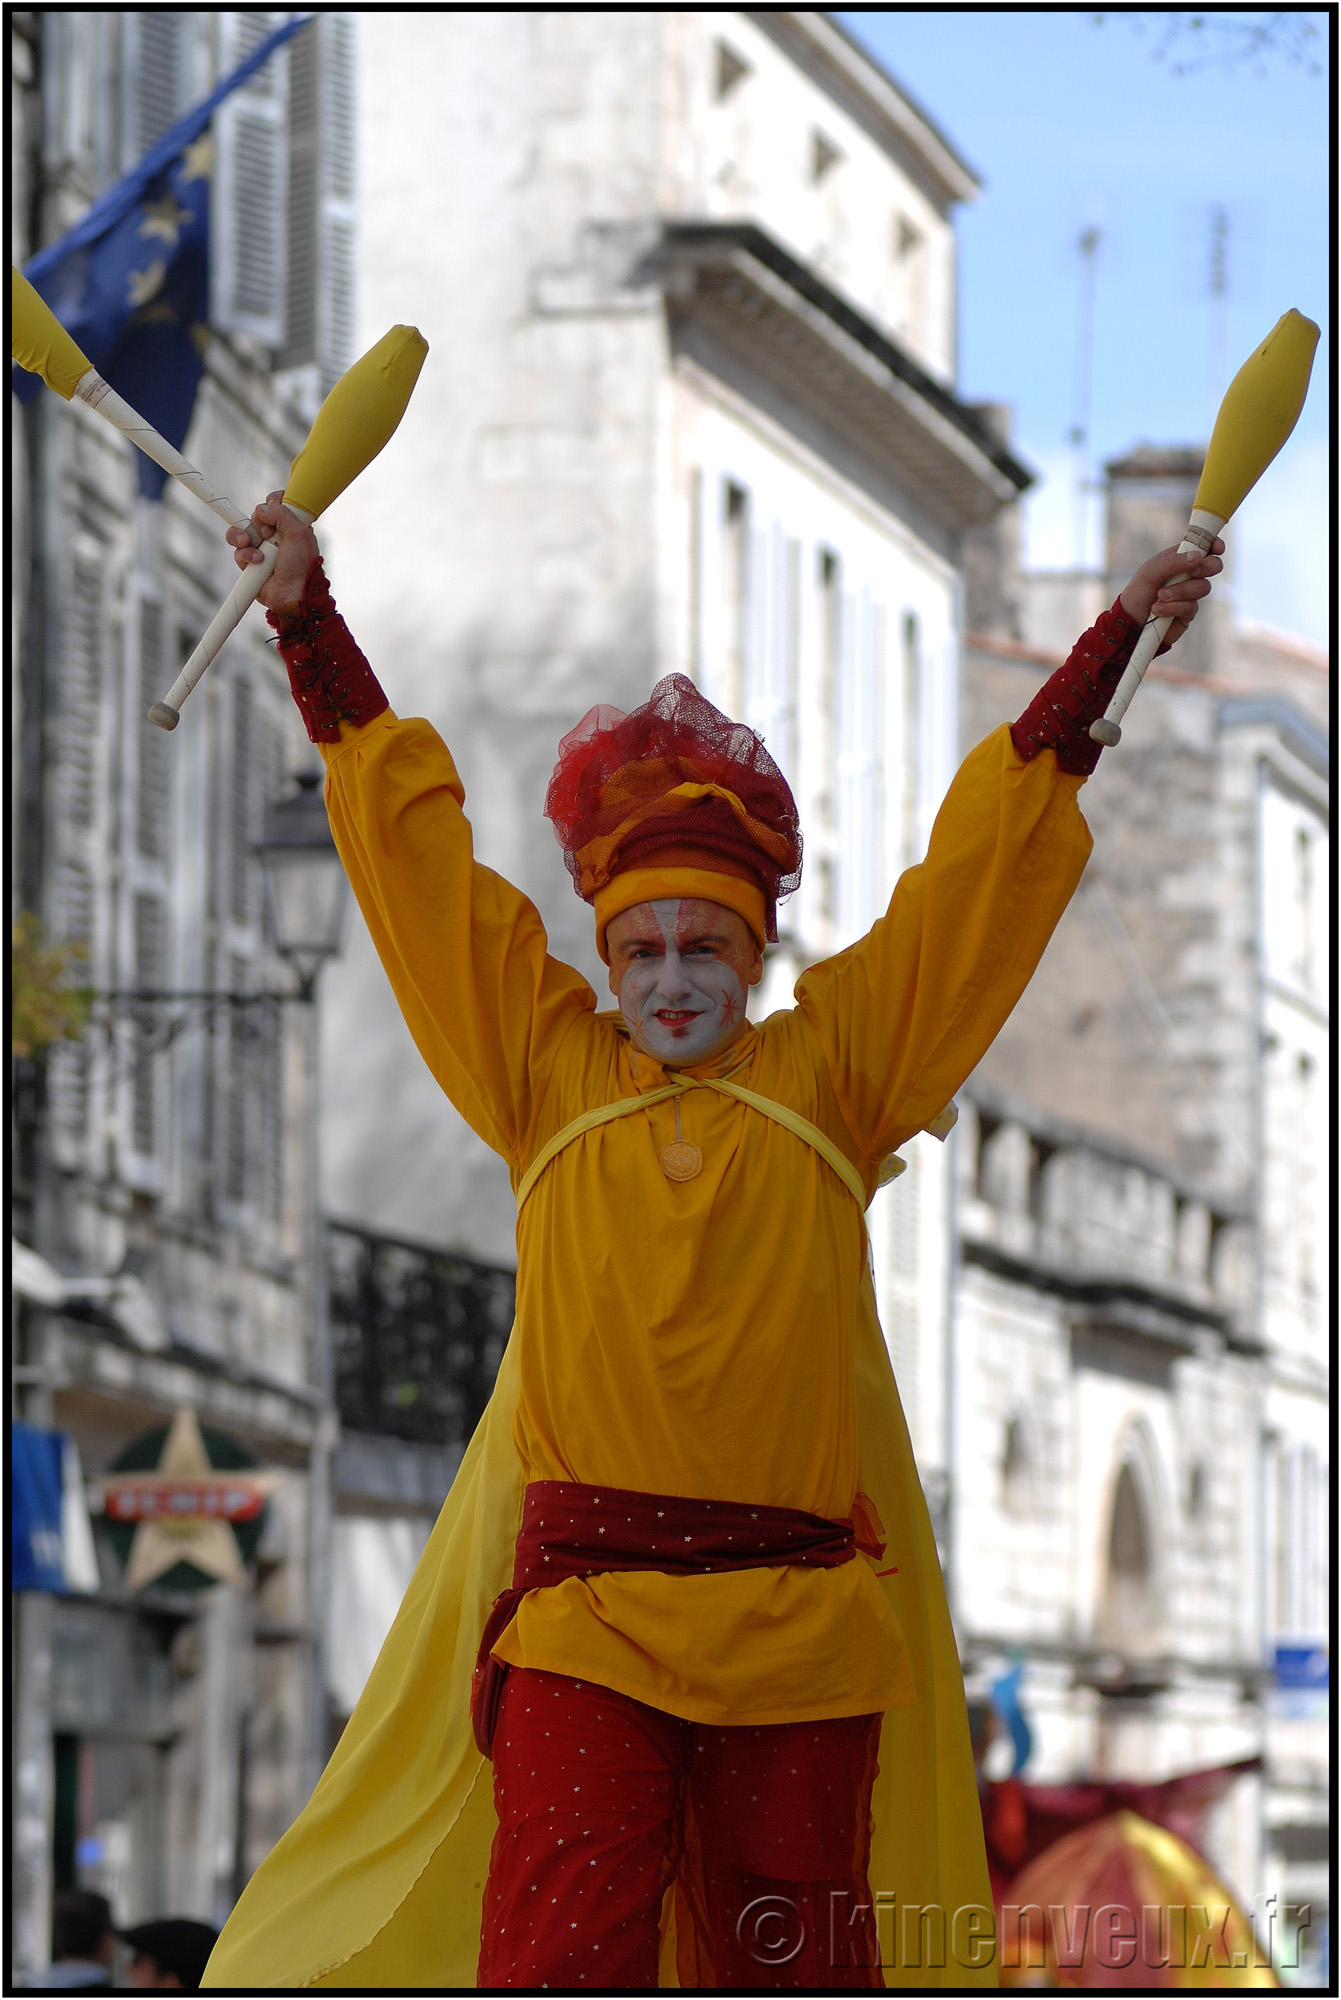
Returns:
<point x="379" y="1881"/>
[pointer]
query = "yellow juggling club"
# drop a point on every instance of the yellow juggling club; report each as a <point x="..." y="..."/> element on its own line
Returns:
<point x="355" y="421"/>
<point x="1260" y="408"/>
<point x="39" y="343"/>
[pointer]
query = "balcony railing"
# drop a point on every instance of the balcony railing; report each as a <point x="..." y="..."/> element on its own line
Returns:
<point x="417" y="1336"/>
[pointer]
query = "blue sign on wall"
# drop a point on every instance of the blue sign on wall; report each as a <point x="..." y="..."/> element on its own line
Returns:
<point x="1303" y="1667"/>
<point x="35" y="1509"/>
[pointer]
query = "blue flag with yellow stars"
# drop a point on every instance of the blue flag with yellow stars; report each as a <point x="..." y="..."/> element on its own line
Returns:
<point x="130" y="281"/>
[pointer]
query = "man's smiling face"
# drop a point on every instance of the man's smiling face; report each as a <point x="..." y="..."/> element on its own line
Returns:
<point x="680" y="969"/>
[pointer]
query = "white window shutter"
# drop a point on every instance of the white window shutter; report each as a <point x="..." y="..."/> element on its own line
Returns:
<point x="336" y="308"/>
<point x="156" y="77"/>
<point x="320" y="328"/>
<point x="248" y="219"/>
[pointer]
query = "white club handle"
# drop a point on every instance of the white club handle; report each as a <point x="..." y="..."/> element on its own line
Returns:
<point x="227" y="618"/>
<point x="99" y="396"/>
<point x="1201" y="532"/>
<point x="167" y="713"/>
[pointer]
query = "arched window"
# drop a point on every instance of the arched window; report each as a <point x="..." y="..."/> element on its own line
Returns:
<point x="1132" y="1610"/>
<point x="1017" y="1467"/>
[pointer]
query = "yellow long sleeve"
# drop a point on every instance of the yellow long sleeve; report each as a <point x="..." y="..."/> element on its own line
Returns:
<point x="905" y="1014"/>
<point x="465" y="952"/>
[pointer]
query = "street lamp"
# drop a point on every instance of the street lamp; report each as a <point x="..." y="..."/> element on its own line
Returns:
<point x="306" y="888"/>
<point x="306" y="892"/>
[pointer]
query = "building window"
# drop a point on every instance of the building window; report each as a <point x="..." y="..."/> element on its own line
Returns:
<point x="824" y="157"/>
<point x="151" y="803"/>
<point x="736" y="596"/>
<point x="1131" y="1610"/>
<point x="1196" y="1491"/>
<point x="235" y="1110"/>
<point x="241" y="829"/>
<point x="159" y="62"/>
<point x="791" y="662"/>
<point x="1306" y="1143"/>
<point x="830" y="580"/>
<point x="1017" y="1467"/>
<point x="1302" y="1562"/>
<point x="270" y="1054"/>
<point x="901" y="1307"/>
<point x="1303" y="893"/>
<point x="150" y="969"/>
<point x="910" y="256"/>
<point x="912" y="736"/>
<point x="731" y="69"/>
<point x="319" y="304"/>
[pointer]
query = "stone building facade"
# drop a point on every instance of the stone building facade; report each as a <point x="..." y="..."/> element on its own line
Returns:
<point x="1141" y="1340"/>
<point x="688" y="285"/>
<point x="165" y="1737"/>
<point x="689" y="406"/>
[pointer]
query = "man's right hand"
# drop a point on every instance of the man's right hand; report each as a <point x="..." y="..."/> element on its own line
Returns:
<point x="298" y="551"/>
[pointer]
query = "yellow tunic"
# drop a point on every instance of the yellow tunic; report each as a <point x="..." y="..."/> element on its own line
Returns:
<point x="713" y="1338"/>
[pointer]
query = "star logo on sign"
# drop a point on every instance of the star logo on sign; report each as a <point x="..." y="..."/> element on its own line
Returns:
<point x="206" y="1541"/>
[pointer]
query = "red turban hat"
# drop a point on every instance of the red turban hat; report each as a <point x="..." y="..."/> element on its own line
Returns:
<point x="674" y="799"/>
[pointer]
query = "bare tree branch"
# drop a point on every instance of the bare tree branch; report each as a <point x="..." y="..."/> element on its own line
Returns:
<point x="1229" y="38"/>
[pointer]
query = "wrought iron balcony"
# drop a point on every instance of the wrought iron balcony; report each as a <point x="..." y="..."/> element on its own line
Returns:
<point x="416" y="1334"/>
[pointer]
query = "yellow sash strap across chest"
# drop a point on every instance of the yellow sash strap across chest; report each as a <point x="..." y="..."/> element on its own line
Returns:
<point x="781" y="1114"/>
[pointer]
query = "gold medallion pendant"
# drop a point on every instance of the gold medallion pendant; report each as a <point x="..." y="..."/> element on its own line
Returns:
<point x="681" y="1160"/>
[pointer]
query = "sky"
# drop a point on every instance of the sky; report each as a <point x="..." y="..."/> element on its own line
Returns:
<point x="1072" y="122"/>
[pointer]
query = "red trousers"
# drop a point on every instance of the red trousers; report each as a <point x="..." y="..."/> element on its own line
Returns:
<point x="604" y="1804"/>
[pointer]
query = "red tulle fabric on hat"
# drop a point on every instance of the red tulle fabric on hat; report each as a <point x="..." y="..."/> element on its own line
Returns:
<point x="674" y="782"/>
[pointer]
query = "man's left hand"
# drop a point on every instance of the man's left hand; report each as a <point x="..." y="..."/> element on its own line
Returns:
<point x="1151" y="594"/>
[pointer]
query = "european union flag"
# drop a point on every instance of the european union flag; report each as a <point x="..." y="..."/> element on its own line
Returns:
<point x="131" y="280"/>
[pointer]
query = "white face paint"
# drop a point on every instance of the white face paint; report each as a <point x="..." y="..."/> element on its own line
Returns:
<point x="681" y="988"/>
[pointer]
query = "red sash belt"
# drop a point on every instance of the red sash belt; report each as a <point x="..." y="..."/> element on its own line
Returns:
<point x="573" y="1530"/>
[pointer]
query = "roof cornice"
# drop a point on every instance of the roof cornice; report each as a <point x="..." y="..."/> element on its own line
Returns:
<point x="883" y="106"/>
<point x="741" y="284"/>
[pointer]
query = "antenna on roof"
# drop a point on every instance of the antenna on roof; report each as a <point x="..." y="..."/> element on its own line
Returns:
<point x="1218" y="287"/>
<point x="1087" y="243"/>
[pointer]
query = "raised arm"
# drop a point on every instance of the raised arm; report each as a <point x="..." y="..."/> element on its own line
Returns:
<point x="906" y="1014"/>
<point x="465" y="952"/>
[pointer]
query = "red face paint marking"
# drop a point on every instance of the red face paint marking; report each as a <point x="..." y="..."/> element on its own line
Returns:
<point x="680" y="969"/>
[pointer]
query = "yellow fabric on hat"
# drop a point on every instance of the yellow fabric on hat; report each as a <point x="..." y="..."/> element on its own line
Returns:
<point x="598" y="860"/>
<point x="715" y="1338"/>
<point x="651" y="885"/>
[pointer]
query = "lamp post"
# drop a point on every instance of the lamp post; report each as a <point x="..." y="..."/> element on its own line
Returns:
<point x="306" y="894"/>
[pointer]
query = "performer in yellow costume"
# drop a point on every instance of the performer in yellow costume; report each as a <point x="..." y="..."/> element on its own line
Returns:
<point x="719" y="1683"/>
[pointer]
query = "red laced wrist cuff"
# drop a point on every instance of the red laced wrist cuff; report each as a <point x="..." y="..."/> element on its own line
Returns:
<point x="328" y="675"/>
<point x="1059" y="716"/>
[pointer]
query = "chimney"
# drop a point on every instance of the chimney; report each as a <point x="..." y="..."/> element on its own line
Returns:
<point x="991" y="554"/>
<point x="1149" y="497"/>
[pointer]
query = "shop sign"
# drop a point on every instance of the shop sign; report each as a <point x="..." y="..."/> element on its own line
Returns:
<point x="1303" y="1667"/>
<point x="184" y="1507"/>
